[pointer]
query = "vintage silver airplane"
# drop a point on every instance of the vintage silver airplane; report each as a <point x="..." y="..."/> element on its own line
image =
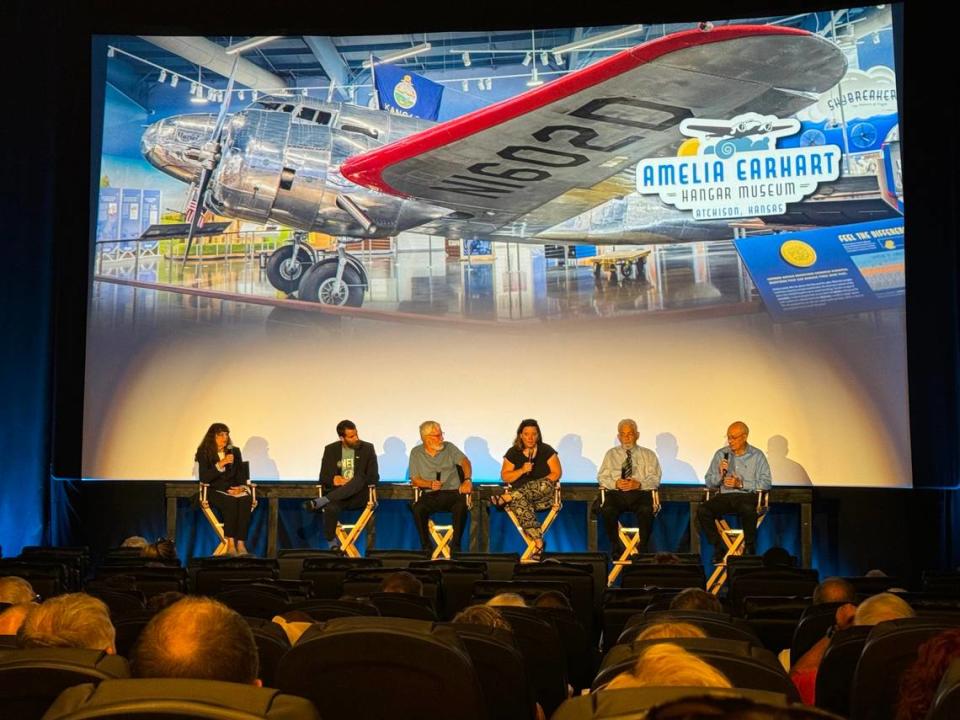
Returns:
<point x="512" y="171"/>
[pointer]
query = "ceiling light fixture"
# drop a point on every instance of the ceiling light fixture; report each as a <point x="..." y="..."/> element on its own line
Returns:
<point x="466" y="59"/>
<point x="250" y="43"/>
<point x="393" y="57"/>
<point x="595" y="39"/>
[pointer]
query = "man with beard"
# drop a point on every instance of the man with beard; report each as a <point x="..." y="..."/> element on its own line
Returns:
<point x="348" y="467"/>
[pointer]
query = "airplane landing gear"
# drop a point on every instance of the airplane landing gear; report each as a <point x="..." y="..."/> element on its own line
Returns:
<point x="287" y="265"/>
<point x="338" y="281"/>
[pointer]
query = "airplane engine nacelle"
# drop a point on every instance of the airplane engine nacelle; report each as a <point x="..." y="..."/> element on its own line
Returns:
<point x="272" y="170"/>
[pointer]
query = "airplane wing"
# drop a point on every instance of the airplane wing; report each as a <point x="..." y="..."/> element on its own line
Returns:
<point x="558" y="150"/>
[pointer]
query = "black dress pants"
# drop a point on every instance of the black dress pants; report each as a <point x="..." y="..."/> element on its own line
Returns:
<point x="741" y="504"/>
<point x="234" y="511"/>
<point x="332" y="510"/>
<point x="437" y="501"/>
<point x="617" y="502"/>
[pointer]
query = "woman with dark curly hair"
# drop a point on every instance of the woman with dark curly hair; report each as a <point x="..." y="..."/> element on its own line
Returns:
<point x="532" y="470"/>
<point x="919" y="681"/>
<point x="219" y="462"/>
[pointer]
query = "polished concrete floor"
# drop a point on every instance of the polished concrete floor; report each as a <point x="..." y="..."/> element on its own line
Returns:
<point x="519" y="284"/>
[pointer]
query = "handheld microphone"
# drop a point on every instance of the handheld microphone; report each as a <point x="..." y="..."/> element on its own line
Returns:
<point x="726" y="456"/>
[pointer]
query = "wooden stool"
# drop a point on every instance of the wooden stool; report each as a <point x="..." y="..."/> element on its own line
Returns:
<point x="544" y="526"/>
<point x="349" y="533"/>
<point x="629" y="536"/>
<point x="441" y="534"/>
<point x="214" y="521"/>
<point x="733" y="539"/>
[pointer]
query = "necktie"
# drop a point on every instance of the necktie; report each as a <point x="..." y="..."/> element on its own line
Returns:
<point x="626" y="471"/>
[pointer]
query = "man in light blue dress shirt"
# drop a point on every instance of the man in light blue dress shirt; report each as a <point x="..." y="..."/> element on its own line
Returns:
<point x="740" y="471"/>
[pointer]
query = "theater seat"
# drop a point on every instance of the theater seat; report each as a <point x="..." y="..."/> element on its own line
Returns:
<point x="323" y="610"/>
<point x="946" y="701"/>
<point x="500" y="669"/>
<point x="890" y="647"/>
<point x="272" y="644"/>
<point x="403" y="605"/>
<point x="31" y="679"/>
<point x="716" y="625"/>
<point x="747" y="665"/>
<point x="632" y="702"/>
<point x="543" y="655"/>
<point x="382" y="668"/>
<point x="813" y="625"/>
<point x="457" y="579"/>
<point x="150" y="699"/>
<point x="327" y="574"/>
<point x="835" y="676"/>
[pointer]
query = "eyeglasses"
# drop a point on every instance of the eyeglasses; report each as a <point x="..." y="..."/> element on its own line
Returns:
<point x="736" y="437"/>
<point x="435" y="435"/>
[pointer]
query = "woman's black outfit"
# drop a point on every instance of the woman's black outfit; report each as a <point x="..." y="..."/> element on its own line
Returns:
<point x="234" y="509"/>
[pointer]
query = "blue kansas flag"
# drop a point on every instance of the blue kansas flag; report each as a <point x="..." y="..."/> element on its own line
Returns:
<point x="405" y="93"/>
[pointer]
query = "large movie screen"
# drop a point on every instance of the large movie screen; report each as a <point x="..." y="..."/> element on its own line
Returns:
<point x="683" y="224"/>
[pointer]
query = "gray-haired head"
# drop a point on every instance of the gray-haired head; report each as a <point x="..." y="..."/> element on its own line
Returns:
<point x="628" y="422"/>
<point x="428" y="426"/>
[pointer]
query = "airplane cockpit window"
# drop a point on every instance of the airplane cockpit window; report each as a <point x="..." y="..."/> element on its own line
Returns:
<point x="323" y="118"/>
<point x="266" y="105"/>
<point x="288" y="108"/>
<point x="307" y="113"/>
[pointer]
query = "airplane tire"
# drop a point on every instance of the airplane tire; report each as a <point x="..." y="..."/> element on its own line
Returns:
<point x="283" y="273"/>
<point x="320" y="285"/>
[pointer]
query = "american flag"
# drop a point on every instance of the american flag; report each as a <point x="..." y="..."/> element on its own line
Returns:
<point x="191" y="208"/>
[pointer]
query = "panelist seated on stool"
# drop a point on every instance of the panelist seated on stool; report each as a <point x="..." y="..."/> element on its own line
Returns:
<point x="531" y="469"/>
<point x="628" y="477"/>
<point x="739" y="471"/>
<point x="224" y="484"/>
<point x="348" y="468"/>
<point x="442" y="535"/>
<point x="442" y="474"/>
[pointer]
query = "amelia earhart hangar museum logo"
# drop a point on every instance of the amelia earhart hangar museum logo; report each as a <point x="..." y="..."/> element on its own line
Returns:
<point x="733" y="168"/>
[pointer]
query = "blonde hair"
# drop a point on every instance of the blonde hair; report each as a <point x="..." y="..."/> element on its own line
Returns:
<point x="13" y="617"/>
<point x="882" y="607"/>
<point x="665" y="664"/>
<point x="426" y="426"/>
<point x="670" y="629"/>
<point x="506" y="600"/>
<point x="15" y="590"/>
<point x="73" y="620"/>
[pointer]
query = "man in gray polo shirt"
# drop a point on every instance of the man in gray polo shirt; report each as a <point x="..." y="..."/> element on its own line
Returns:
<point x="435" y="468"/>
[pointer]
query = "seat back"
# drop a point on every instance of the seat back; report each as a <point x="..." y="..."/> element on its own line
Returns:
<point x="258" y="602"/>
<point x="457" y="579"/>
<point x="398" y="559"/>
<point x="941" y="582"/>
<point x="362" y="583"/>
<point x="890" y="647"/>
<point x="625" y="703"/>
<point x="403" y="605"/>
<point x="122" y="603"/>
<point x="290" y="560"/>
<point x="384" y="667"/>
<point x="835" y="675"/>
<point x="326" y="575"/>
<point x="598" y="568"/>
<point x="272" y="645"/>
<point x="499" y="565"/>
<point x="812" y="626"/>
<point x="619" y="605"/>
<point x="499" y="665"/>
<point x="154" y="698"/>
<point x="716" y="625"/>
<point x="665" y="576"/>
<point x="946" y="701"/>
<point x="577" y="575"/>
<point x="128" y="631"/>
<point x="529" y="590"/>
<point x="209" y="573"/>
<point x="580" y="652"/>
<point x="746" y="664"/>
<point x="149" y="578"/>
<point x="867" y="586"/>
<point x="323" y="610"/>
<point x="543" y="655"/>
<point x="77" y="559"/>
<point x="774" y="619"/>
<point x="759" y="582"/>
<point x="31" y="679"/>
<point x="47" y="579"/>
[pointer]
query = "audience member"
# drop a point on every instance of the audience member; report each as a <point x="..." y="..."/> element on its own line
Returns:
<point x="12" y="618"/>
<point x="552" y="599"/>
<point x="163" y="600"/>
<point x="506" y="599"/>
<point x="834" y="589"/>
<point x="482" y="615"/>
<point x="668" y="629"/>
<point x="665" y="664"/>
<point x="402" y="582"/>
<point x="198" y="638"/>
<point x="882" y="607"/>
<point x="919" y="682"/>
<point x="696" y="599"/>
<point x="871" y="611"/>
<point x="134" y="541"/>
<point x="666" y="558"/>
<point x="74" y="620"/>
<point x="777" y="557"/>
<point x="162" y="549"/>
<point x="15" y="590"/>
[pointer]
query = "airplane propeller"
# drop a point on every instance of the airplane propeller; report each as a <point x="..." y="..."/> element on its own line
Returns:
<point x="211" y="156"/>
